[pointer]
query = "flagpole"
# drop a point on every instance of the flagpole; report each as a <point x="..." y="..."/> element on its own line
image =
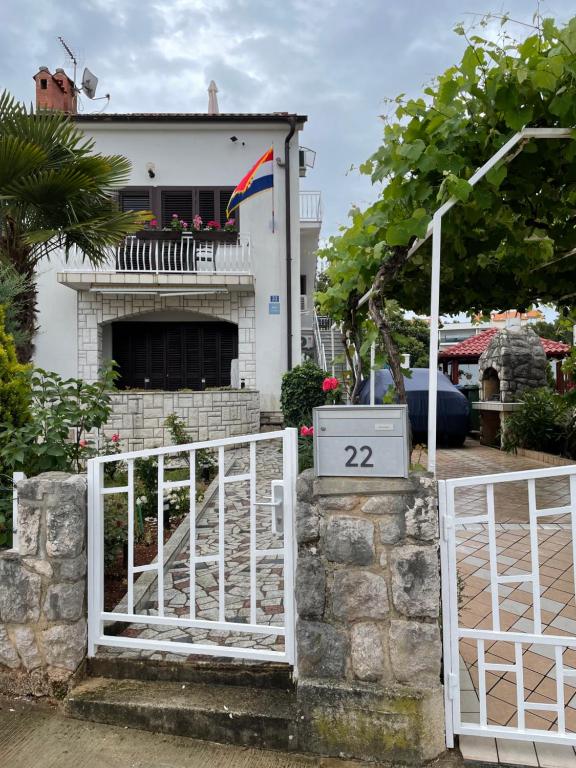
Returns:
<point x="273" y="189"/>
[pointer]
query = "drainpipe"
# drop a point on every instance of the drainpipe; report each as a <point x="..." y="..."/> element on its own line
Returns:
<point x="292" y="123"/>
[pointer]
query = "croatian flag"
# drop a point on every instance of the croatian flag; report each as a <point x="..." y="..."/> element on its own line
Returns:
<point x="258" y="178"/>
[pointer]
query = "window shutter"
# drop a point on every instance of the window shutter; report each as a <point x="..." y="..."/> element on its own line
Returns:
<point x="179" y="203"/>
<point x="156" y="358"/>
<point x="135" y="201"/>
<point x="174" y="358"/>
<point x="206" y="207"/>
<point x="228" y="352"/>
<point x="192" y="344"/>
<point x="211" y="356"/>
<point x="225" y="196"/>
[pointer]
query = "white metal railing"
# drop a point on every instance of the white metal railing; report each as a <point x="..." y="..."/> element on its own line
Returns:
<point x="469" y="502"/>
<point x="310" y="206"/>
<point x="186" y="255"/>
<point x="321" y="352"/>
<point x="281" y="522"/>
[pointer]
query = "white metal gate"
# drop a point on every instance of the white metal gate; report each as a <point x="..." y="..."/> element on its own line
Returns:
<point x="470" y="510"/>
<point x="249" y="523"/>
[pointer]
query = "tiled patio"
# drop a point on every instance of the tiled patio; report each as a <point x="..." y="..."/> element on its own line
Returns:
<point x="515" y="602"/>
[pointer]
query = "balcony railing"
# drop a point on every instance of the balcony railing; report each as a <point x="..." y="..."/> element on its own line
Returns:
<point x="310" y="206"/>
<point x="185" y="254"/>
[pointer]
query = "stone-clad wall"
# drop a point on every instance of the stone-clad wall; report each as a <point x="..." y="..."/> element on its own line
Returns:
<point x="139" y="416"/>
<point x="368" y="600"/>
<point x="43" y="587"/>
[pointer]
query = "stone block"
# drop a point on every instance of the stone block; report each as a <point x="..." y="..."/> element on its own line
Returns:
<point x="416" y="580"/>
<point x="65" y="645"/>
<point x="19" y="593"/>
<point x="367" y="651"/>
<point x="359" y="595"/>
<point x="422" y="516"/>
<point x="415" y="652"/>
<point x="350" y="540"/>
<point x="25" y="643"/>
<point x="66" y="521"/>
<point x="70" y="569"/>
<point x="386" y="504"/>
<point x="28" y="528"/>
<point x="8" y="656"/>
<point x="322" y="650"/>
<point x="64" y="601"/>
<point x="338" y="503"/>
<point x="41" y="567"/>
<point x="307" y="523"/>
<point x="392" y="529"/>
<point x="310" y="588"/>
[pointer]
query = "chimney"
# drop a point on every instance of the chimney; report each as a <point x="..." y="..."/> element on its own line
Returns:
<point x="55" y="91"/>
<point x="213" y="108"/>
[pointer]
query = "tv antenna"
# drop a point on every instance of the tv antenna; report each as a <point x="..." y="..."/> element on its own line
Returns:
<point x="73" y="58"/>
<point x="89" y="79"/>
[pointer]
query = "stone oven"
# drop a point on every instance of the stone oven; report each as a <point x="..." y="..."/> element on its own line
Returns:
<point x="513" y="362"/>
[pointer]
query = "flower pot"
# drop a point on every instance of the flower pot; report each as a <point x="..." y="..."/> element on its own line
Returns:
<point x="159" y="234"/>
<point x="216" y="235"/>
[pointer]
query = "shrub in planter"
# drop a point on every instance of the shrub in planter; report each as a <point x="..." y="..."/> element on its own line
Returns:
<point x="541" y="424"/>
<point x="301" y="392"/>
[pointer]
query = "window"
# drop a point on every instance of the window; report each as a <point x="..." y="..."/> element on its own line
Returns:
<point x="209" y="202"/>
<point x="174" y="356"/>
<point x="302" y="285"/>
<point x="43" y="84"/>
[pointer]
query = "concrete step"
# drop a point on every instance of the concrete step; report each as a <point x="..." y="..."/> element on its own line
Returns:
<point x="208" y="672"/>
<point x="249" y="717"/>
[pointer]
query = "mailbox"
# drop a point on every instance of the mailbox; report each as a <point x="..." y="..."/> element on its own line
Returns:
<point x="361" y="441"/>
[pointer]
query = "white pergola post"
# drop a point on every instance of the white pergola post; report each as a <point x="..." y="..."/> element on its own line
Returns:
<point x="435" y="230"/>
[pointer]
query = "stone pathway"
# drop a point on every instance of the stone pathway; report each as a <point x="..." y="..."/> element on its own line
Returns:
<point x="269" y="571"/>
<point x="515" y="601"/>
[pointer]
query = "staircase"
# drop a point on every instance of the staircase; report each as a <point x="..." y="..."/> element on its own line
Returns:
<point x="251" y="705"/>
<point x="337" y="352"/>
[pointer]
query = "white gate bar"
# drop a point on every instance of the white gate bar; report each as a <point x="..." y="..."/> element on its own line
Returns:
<point x="221" y="559"/>
<point x="512" y="477"/>
<point x="472" y="520"/>
<point x="560" y="689"/>
<point x="130" y="596"/>
<point x="290" y="470"/>
<point x="553" y="511"/>
<point x="253" y="533"/>
<point x="192" y="533"/>
<point x="520" y="703"/>
<point x="516" y="578"/>
<point x="493" y="557"/>
<point x="534" y="557"/>
<point x="178" y="621"/>
<point x="143" y="568"/>
<point x="173" y="646"/>
<point x="526" y="638"/>
<point x="237" y="478"/>
<point x="160" y="528"/>
<point x="573" y="525"/>
<point x="119" y="489"/>
<point x="481" y="682"/>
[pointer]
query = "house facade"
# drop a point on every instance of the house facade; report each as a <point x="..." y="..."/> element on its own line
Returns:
<point x="203" y="323"/>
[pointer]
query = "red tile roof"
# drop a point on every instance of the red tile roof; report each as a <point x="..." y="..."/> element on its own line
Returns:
<point x="470" y="349"/>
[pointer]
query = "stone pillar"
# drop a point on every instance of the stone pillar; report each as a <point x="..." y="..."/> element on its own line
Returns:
<point x="43" y="587"/>
<point x="368" y="633"/>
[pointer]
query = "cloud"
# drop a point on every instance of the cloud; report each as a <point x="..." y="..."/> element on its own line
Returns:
<point x="334" y="60"/>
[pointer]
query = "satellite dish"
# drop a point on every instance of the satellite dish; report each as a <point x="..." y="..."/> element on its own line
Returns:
<point x="89" y="83"/>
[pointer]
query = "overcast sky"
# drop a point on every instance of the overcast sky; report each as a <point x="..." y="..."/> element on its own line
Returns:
<point x="334" y="60"/>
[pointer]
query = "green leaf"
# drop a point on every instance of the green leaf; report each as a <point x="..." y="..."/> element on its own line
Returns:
<point x="496" y="175"/>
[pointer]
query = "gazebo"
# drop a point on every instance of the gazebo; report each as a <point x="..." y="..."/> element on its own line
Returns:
<point x="469" y="351"/>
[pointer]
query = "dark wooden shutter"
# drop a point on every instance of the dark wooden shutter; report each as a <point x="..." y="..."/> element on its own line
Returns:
<point x="206" y="207"/>
<point x="192" y="346"/>
<point x="121" y="355"/>
<point x="228" y="352"/>
<point x="224" y="198"/>
<point x="135" y="201"/>
<point x="179" y="203"/>
<point x="156" y="357"/>
<point x="211" y="355"/>
<point x="175" y="378"/>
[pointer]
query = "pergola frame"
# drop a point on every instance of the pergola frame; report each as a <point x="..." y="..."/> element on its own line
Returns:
<point x="435" y="230"/>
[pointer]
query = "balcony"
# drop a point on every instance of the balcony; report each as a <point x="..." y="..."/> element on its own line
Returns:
<point x="163" y="259"/>
<point x="310" y="208"/>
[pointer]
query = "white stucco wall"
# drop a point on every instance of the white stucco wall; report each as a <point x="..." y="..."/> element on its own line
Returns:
<point x="199" y="155"/>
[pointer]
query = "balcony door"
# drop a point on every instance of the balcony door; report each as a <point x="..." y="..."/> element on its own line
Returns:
<point x="171" y="356"/>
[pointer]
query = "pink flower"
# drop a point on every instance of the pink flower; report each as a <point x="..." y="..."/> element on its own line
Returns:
<point x="330" y="383"/>
<point x="115" y="438"/>
<point x="184" y="224"/>
<point x="213" y="225"/>
<point x="307" y="431"/>
<point x="197" y="222"/>
<point x="82" y="443"/>
<point x="230" y="223"/>
<point x="174" y="215"/>
<point x="154" y="223"/>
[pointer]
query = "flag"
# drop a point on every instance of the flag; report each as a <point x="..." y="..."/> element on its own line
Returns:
<point x="258" y="178"/>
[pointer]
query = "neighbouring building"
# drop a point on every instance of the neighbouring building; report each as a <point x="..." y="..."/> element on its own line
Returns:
<point x="185" y="315"/>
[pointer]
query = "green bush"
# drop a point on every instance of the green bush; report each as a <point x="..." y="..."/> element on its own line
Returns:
<point x="301" y="392"/>
<point x="541" y="424"/>
<point x="62" y="414"/>
<point x="15" y="413"/>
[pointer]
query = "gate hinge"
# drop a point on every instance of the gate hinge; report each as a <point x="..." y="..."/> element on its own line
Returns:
<point x="452" y="684"/>
<point x="447" y="525"/>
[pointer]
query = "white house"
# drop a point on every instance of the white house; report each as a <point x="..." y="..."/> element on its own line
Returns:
<point x="176" y="310"/>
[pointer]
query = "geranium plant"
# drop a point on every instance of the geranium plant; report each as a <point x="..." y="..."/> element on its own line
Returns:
<point x="331" y="386"/>
<point x="178" y="225"/>
<point x="213" y="225"/>
<point x="230" y="225"/>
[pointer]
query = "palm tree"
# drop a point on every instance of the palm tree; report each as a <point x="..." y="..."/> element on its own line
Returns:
<point x="56" y="193"/>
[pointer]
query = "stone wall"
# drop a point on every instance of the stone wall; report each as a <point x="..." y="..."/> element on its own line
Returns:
<point x="368" y="636"/>
<point x="43" y="587"/>
<point x="139" y="416"/>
